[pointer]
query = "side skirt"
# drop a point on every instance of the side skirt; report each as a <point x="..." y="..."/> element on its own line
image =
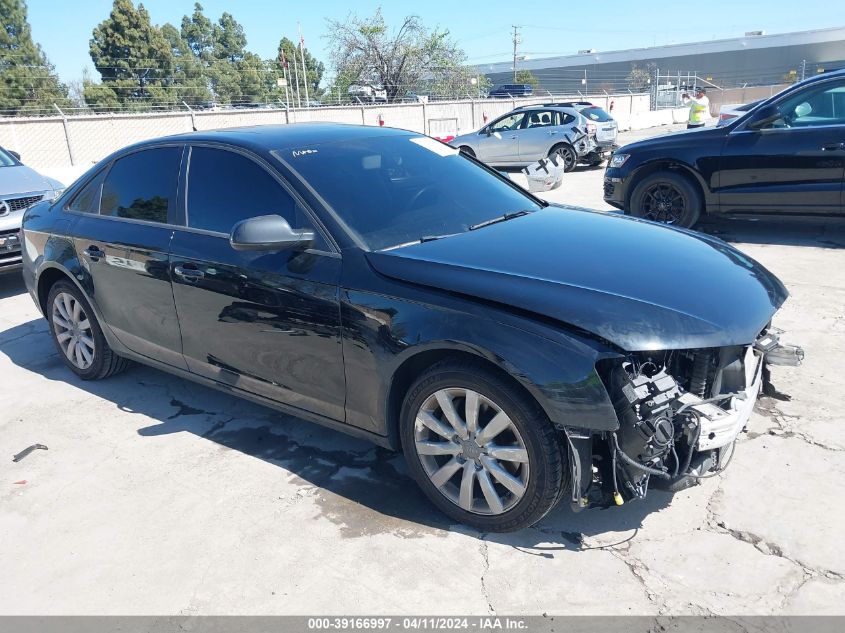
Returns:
<point x="316" y="418"/>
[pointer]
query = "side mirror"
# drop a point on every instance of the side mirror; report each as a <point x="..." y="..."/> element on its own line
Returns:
<point x="765" y="116"/>
<point x="15" y="154"/>
<point x="268" y="233"/>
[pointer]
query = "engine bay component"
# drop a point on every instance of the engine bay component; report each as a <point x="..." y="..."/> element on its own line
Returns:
<point x="679" y="414"/>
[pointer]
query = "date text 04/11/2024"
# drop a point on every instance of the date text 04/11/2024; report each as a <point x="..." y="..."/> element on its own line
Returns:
<point x="426" y="623"/>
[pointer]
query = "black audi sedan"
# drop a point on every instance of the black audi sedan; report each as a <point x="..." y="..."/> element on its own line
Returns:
<point x="786" y="156"/>
<point x="383" y="284"/>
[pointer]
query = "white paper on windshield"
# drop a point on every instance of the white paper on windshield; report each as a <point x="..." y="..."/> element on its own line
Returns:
<point x="441" y="149"/>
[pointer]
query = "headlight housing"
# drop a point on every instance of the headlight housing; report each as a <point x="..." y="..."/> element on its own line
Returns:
<point x="617" y="160"/>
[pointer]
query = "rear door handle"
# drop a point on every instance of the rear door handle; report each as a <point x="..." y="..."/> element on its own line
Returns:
<point x="94" y="253"/>
<point x="188" y="272"/>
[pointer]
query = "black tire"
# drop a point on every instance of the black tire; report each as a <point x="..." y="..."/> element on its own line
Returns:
<point x="105" y="362"/>
<point x="667" y="197"/>
<point x="546" y="456"/>
<point x="567" y="154"/>
<point x="597" y="163"/>
<point x="467" y="150"/>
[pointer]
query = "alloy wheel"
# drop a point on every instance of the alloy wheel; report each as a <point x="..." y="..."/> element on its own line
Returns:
<point x="471" y="451"/>
<point x="73" y="330"/>
<point x="567" y="155"/>
<point x="663" y="202"/>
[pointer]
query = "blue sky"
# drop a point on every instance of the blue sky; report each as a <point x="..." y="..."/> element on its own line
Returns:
<point x="482" y="28"/>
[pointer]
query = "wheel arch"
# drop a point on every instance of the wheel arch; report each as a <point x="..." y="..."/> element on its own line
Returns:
<point x="674" y="167"/>
<point x="47" y="278"/>
<point x="414" y="365"/>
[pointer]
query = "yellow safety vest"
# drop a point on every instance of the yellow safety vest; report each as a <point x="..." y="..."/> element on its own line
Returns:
<point x="699" y="110"/>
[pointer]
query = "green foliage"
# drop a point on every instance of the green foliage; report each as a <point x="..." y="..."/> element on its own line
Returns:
<point x="409" y="59"/>
<point x="28" y="81"/>
<point x="527" y="77"/>
<point x="188" y="82"/>
<point x="198" y="33"/>
<point x="133" y="58"/>
<point x="314" y="69"/>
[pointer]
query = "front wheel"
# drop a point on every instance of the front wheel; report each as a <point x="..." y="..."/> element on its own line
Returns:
<point x="567" y="155"/>
<point x="481" y="450"/>
<point x="667" y="197"/>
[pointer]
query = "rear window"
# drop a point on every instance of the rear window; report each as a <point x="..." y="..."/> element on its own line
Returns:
<point x="596" y="114"/>
<point x="142" y="185"/>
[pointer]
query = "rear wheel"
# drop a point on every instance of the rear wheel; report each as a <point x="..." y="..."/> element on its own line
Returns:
<point x="481" y="450"/>
<point x="77" y="334"/>
<point x="467" y="150"/>
<point x="566" y="154"/>
<point x="667" y="197"/>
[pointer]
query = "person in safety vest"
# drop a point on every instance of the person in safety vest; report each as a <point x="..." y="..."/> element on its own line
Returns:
<point x="699" y="108"/>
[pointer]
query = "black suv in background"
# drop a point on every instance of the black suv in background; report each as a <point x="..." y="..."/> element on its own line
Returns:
<point x="509" y="91"/>
<point x="785" y="156"/>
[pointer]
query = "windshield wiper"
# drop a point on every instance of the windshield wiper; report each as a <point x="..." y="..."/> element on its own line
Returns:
<point x="501" y="218"/>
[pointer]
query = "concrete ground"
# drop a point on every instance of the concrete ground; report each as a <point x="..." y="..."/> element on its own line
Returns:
<point x="158" y="496"/>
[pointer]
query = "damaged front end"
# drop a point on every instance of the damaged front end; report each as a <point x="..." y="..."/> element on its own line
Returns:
<point x="679" y="414"/>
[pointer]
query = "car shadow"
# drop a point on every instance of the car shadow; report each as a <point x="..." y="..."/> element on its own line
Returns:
<point x="785" y="231"/>
<point x="370" y="489"/>
<point x="11" y="284"/>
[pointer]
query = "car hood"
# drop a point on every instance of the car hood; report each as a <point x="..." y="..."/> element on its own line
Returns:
<point x="22" y="179"/>
<point x="639" y="285"/>
<point x="681" y="137"/>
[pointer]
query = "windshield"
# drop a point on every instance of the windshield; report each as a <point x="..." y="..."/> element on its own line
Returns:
<point x="6" y="160"/>
<point x="394" y="190"/>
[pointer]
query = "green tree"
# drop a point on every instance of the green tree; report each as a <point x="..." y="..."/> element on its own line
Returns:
<point x="189" y="82"/>
<point x="28" y="81"/>
<point x="396" y="61"/>
<point x="527" y="77"/>
<point x="133" y="58"/>
<point x="314" y="69"/>
<point x="198" y="32"/>
<point x="229" y="39"/>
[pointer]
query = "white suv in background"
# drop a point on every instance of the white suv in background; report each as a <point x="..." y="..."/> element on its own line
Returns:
<point x="577" y="131"/>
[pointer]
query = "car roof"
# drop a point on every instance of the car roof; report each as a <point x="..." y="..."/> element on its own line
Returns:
<point x="265" y="138"/>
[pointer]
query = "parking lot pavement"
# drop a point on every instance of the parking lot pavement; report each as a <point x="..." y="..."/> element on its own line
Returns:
<point x="160" y="496"/>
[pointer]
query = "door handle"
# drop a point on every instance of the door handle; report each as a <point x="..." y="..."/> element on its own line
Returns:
<point x="552" y="132"/>
<point x="513" y="138"/>
<point x="188" y="274"/>
<point x="94" y="253"/>
<point x="833" y="147"/>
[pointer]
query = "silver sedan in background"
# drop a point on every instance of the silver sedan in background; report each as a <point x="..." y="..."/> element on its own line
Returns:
<point x="20" y="188"/>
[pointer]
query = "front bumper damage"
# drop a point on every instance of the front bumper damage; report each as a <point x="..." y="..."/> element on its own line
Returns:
<point x="679" y="414"/>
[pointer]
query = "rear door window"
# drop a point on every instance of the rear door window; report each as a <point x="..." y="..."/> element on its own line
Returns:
<point x="88" y="199"/>
<point x="142" y="185"/>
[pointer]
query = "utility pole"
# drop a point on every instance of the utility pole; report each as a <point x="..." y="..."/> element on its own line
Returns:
<point x="803" y="69"/>
<point x="516" y="42"/>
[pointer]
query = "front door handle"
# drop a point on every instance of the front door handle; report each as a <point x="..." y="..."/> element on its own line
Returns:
<point x="94" y="253"/>
<point x="552" y="132"/>
<point x="187" y="273"/>
<point x="833" y="147"/>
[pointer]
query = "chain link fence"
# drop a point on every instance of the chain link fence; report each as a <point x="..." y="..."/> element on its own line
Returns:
<point x="78" y="140"/>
